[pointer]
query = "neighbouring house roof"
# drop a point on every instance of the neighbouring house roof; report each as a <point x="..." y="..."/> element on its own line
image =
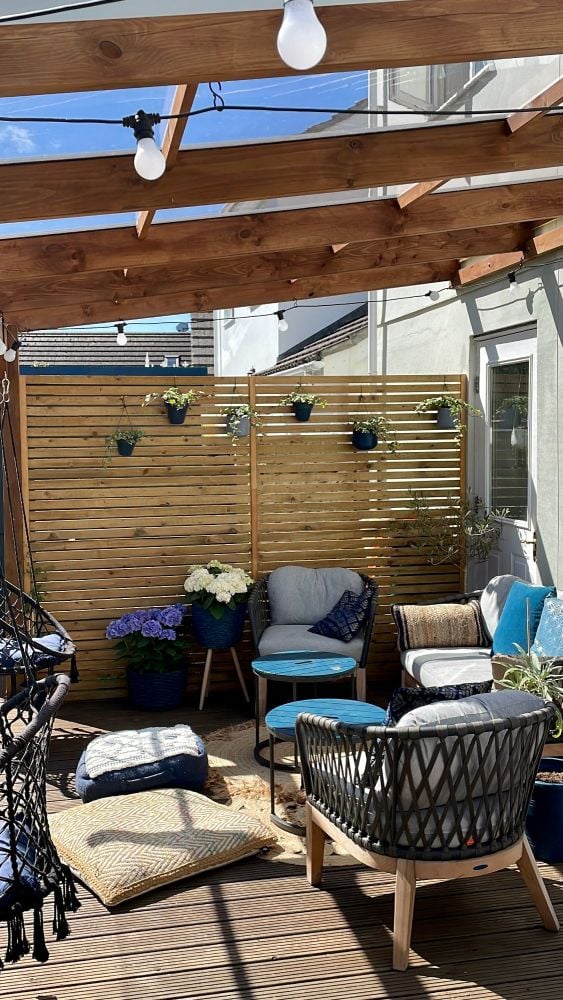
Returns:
<point x="312" y="348"/>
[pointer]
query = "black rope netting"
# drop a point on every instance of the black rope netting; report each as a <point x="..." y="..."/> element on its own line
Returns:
<point x="30" y="640"/>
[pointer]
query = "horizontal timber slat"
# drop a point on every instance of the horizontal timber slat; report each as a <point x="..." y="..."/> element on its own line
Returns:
<point x="114" y="536"/>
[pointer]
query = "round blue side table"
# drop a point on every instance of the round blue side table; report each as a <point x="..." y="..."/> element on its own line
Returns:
<point x="280" y="723"/>
<point x="296" y="667"/>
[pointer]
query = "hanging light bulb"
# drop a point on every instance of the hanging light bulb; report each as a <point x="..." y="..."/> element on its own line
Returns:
<point x="512" y="283"/>
<point x="433" y="295"/>
<point x="301" y="38"/>
<point x="11" y="353"/>
<point x="283" y="325"/>
<point x="3" y="348"/>
<point x="150" y="163"/>
<point x="121" y="338"/>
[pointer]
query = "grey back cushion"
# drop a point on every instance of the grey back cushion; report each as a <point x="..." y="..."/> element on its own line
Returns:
<point x="493" y="599"/>
<point x="301" y="596"/>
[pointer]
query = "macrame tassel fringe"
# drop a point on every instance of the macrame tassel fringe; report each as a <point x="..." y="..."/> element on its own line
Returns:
<point x="71" y="900"/>
<point x="40" y="953"/>
<point x="74" y="675"/>
<point x="18" y="945"/>
<point x="60" y="925"/>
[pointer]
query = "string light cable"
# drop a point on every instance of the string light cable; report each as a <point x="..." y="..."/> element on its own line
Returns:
<point x="62" y="9"/>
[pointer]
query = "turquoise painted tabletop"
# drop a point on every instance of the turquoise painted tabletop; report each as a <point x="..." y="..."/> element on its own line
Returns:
<point x="280" y="721"/>
<point x="303" y="665"/>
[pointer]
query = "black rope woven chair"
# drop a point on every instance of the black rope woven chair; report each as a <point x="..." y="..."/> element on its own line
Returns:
<point x="437" y="802"/>
<point x="260" y="618"/>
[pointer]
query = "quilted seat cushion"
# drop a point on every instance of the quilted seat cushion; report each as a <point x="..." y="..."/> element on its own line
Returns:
<point x="125" y="846"/>
<point x="302" y="596"/>
<point x="180" y="771"/>
<point x="292" y="638"/>
<point x="435" y="667"/>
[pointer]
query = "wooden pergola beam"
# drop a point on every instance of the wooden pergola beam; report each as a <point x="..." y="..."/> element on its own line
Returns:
<point x="494" y="264"/>
<point x="545" y="242"/>
<point x="233" y="173"/>
<point x="34" y="257"/>
<point x="141" y="52"/>
<point x="184" y="97"/>
<point x="20" y="297"/>
<point x="180" y="299"/>
<point x="540" y="105"/>
<point x="417" y="191"/>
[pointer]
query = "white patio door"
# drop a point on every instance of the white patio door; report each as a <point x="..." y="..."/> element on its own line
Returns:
<point x="505" y="469"/>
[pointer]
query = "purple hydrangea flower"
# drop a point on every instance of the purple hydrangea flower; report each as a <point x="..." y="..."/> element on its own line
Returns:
<point x="117" y="629"/>
<point x="172" y="617"/>
<point x="151" y="630"/>
<point x="168" y="633"/>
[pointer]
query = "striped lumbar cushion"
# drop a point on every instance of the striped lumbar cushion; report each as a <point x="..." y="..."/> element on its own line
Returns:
<point x="126" y="845"/>
<point x="420" y="626"/>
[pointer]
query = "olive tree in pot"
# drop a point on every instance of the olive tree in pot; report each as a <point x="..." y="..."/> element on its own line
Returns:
<point x="458" y="529"/>
<point x="369" y="430"/>
<point x="543" y="677"/>
<point x="175" y="401"/>
<point x="302" y="403"/>
<point x="451" y="412"/>
<point x="152" y="644"/>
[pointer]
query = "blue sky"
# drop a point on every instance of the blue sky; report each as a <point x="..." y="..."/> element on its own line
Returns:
<point x="21" y="141"/>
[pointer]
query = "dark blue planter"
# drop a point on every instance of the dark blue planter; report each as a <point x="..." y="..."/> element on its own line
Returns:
<point x="156" y="692"/>
<point x="219" y="633"/>
<point x="176" y="414"/>
<point x="364" y="440"/>
<point x="125" y="448"/>
<point x="302" y="411"/>
<point x="444" y="419"/>
<point x="544" y="824"/>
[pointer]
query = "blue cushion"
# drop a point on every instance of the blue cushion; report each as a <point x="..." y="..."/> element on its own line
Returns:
<point x="405" y="700"/>
<point x="524" y="601"/>
<point x="182" y="771"/>
<point x="28" y="891"/>
<point x="549" y="636"/>
<point x="346" y="618"/>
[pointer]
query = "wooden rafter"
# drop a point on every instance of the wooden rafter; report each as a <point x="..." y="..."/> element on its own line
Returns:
<point x="417" y="191"/>
<point x="182" y="102"/>
<point x="218" y="174"/>
<point x="489" y="266"/>
<point x="545" y="242"/>
<point x="110" y="54"/>
<point x="179" y="299"/>
<point x="30" y="259"/>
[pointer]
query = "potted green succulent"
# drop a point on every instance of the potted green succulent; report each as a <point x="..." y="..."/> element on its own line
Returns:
<point x="368" y="431"/>
<point x="175" y="401"/>
<point x="542" y="677"/>
<point x="302" y="403"/>
<point x="124" y="439"/>
<point x="239" y="418"/>
<point x="450" y="412"/>
<point x="155" y="650"/>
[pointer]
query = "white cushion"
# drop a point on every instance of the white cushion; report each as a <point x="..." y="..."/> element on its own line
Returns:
<point x="291" y="638"/>
<point x="302" y="596"/>
<point x="493" y="599"/>
<point x="434" y="667"/>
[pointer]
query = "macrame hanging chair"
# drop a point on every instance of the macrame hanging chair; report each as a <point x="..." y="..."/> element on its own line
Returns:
<point x="30" y="639"/>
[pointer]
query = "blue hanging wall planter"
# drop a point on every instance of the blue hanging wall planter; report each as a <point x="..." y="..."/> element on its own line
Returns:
<point x="364" y="440"/>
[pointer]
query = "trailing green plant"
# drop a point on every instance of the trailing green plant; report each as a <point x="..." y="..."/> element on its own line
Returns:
<point x="174" y="397"/>
<point x="517" y="403"/>
<point x="380" y="426"/>
<point x="236" y="413"/>
<point x="131" y="435"/>
<point x="299" y="396"/>
<point x="461" y="529"/>
<point x="527" y="672"/>
<point x="457" y="407"/>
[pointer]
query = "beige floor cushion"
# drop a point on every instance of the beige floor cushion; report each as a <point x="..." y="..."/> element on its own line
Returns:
<point x="124" y="846"/>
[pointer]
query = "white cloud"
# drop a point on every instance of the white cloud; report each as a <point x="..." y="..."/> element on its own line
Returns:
<point x="17" y="139"/>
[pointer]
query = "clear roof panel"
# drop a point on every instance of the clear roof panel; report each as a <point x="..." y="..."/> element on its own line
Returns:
<point x="76" y="224"/>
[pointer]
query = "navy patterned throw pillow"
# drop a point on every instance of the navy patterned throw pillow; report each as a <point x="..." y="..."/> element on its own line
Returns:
<point x="404" y="700"/>
<point x="346" y="618"/>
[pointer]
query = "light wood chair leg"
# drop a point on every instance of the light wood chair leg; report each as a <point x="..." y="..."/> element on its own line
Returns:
<point x="239" y="672"/>
<point x="536" y="887"/>
<point x="405" y="891"/>
<point x="205" y="681"/>
<point x="361" y="686"/>
<point x="315" y="847"/>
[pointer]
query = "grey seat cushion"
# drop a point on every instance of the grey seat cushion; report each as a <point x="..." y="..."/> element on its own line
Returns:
<point x="493" y="599"/>
<point x="302" y="596"/>
<point x="289" y="638"/>
<point x="434" y="667"/>
<point x="478" y="708"/>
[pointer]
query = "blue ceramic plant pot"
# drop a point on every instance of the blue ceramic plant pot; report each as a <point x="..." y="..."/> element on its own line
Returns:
<point x="364" y="440"/>
<point x="544" y="823"/>
<point x="219" y="633"/>
<point x="156" y="692"/>
<point x="125" y="448"/>
<point x="444" y="419"/>
<point x="176" y="414"/>
<point x="302" y="411"/>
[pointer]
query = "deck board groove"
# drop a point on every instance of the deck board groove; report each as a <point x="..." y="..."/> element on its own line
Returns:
<point x="233" y="935"/>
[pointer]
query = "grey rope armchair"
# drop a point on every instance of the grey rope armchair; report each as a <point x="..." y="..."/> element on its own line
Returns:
<point x="423" y="803"/>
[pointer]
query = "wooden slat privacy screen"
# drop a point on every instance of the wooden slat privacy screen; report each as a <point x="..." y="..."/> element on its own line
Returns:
<point x="110" y="539"/>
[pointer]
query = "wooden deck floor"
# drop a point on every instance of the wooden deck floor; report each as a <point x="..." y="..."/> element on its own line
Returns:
<point x="257" y="931"/>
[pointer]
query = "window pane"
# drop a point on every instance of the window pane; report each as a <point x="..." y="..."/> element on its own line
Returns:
<point x="509" y="438"/>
